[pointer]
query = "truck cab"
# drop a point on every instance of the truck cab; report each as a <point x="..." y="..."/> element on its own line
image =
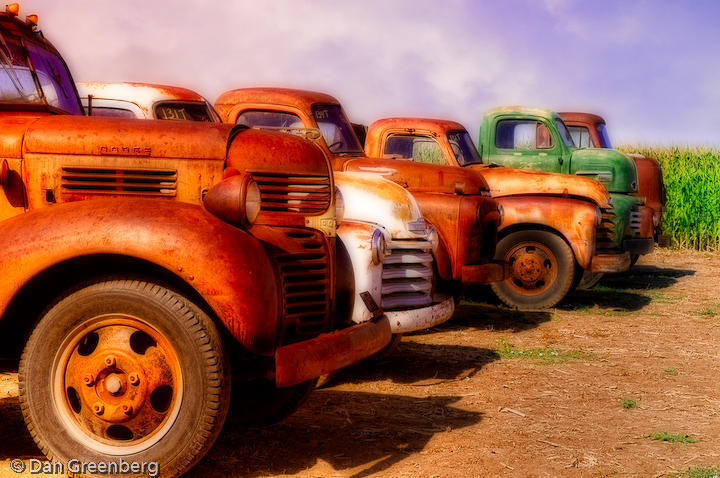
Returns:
<point x="382" y="228"/>
<point x="138" y="256"/>
<point x="590" y="131"/>
<point x="458" y="205"/>
<point x="548" y="217"/>
<point x="537" y="139"/>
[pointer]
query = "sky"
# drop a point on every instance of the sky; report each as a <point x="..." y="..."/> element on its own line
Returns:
<point x="651" y="68"/>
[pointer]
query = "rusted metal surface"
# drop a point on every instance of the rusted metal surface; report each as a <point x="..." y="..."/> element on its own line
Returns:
<point x="112" y="389"/>
<point x="450" y="198"/>
<point x="609" y="263"/>
<point x="329" y="352"/>
<point x="574" y="220"/>
<point x="242" y="288"/>
<point x="650" y="180"/>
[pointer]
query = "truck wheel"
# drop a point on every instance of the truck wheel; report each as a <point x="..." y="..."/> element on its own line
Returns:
<point x="542" y="268"/>
<point x="125" y="370"/>
<point x="259" y="402"/>
<point x="589" y="280"/>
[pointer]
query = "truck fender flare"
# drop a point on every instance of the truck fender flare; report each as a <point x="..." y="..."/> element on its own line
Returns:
<point x="227" y="267"/>
<point x="574" y="220"/>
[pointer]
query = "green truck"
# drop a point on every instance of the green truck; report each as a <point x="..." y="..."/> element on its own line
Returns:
<point x="528" y="138"/>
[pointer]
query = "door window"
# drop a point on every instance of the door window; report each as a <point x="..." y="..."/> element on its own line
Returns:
<point x="581" y="136"/>
<point x="522" y="134"/>
<point x="422" y="149"/>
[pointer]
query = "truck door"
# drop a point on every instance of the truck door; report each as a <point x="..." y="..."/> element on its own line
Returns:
<point x="526" y="144"/>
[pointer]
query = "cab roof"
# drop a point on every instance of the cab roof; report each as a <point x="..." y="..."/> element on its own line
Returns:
<point x="300" y="99"/>
<point x="145" y="93"/>
<point x="438" y="126"/>
<point x="577" y="117"/>
<point x="545" y="113"/>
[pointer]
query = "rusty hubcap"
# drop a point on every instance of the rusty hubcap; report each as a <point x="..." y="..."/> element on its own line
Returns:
<point x="118" y="384"/>
<point x="533" y="266"/>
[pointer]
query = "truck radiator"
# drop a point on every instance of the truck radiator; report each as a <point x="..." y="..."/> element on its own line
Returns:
<point x="407" y="275"/>
<point x="136" y="182"/>
<point x="605" y="233"/>
<point x="304" y="271"/>
<point x="305" y="194"/>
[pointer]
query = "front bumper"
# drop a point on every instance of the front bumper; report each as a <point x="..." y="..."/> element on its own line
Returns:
<point x="326" y="353"/>
<point x="493" y="271"/>
<point x="610" y="263"/>
<point x="640" y="245"/>
<point x="402" y="321"/>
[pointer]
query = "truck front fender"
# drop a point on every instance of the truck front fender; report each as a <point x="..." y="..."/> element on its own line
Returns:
<point x="226" y="266"/>
<point x="574" y="220"/>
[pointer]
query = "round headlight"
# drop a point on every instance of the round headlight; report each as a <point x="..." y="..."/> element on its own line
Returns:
<point x="252" y="201"/>
<point x="378" y="246"/>
<point x="339" y="206"/>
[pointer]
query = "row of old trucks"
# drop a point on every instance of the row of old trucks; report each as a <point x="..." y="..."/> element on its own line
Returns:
<point x="157" y="249"/>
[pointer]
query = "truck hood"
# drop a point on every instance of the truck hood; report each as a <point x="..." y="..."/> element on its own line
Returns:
<point x="81" y="135"/>
<point x="373" y="199"/>
<point x="512" y="182"/>
<point x="614" y="169"/>
<point x="421" y="177"/>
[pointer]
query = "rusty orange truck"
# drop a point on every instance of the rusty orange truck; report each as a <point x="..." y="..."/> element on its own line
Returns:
<point x="455" y="202"/>
<point x="551" y="221"/>
<point x="590" y="131"/>
<point x="138" y="256"/>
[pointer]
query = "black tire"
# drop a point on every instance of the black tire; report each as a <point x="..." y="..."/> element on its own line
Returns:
<point x="590" y="280"/>
<point x="259" y="402"/>
<point x="542" y="269"/>
<point x="89" y="345"/>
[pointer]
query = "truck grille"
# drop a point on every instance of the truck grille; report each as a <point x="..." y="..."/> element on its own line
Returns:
<point x="305" y="275"/>
<point x="407" y="275"/>
<point x="606" y="232"/>
<point x="635" y="221"/>
<point x="293" y="193"/>
<point x="138" y="182"/>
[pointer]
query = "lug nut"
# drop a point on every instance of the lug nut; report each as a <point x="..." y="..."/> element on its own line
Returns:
<point x="134" y="378"/>
<point x="98" y="408"/>
<point x="88" y="379"/>
<point x="127" y="409"/>
<point x="110" y="361"/>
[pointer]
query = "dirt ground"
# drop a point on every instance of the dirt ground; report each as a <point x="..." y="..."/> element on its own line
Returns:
<point x="451" y="403"/>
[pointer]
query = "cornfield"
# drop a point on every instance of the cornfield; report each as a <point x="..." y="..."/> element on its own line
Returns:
<point x="692" y="180"/>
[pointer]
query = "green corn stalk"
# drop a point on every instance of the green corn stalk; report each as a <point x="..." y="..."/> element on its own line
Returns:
<point x="692" y="181"/>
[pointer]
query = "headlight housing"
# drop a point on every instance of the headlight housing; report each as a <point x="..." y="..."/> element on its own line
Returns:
<point x="339" y="205"/>
<point x="252" y="201"/>
<point x="598" y="217"/>
<point x="378" y="247"/>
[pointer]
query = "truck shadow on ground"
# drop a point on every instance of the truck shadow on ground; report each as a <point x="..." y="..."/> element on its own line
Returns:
<point x="628" y="291"/>
<point x="419" y="364"/>
<point x="344" y="433"/>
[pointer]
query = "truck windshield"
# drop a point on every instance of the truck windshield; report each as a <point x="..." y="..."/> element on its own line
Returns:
<point x="55" y="80"/>
<point x="17" y="84"/>
<point x="336" y="130"/>
<point x="603" y="135"/>
<point x="564" y="133"/>
<point x="463" y="148"/>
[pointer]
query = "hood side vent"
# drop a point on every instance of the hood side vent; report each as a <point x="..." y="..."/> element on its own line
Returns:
<point x="135" y="182"/>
